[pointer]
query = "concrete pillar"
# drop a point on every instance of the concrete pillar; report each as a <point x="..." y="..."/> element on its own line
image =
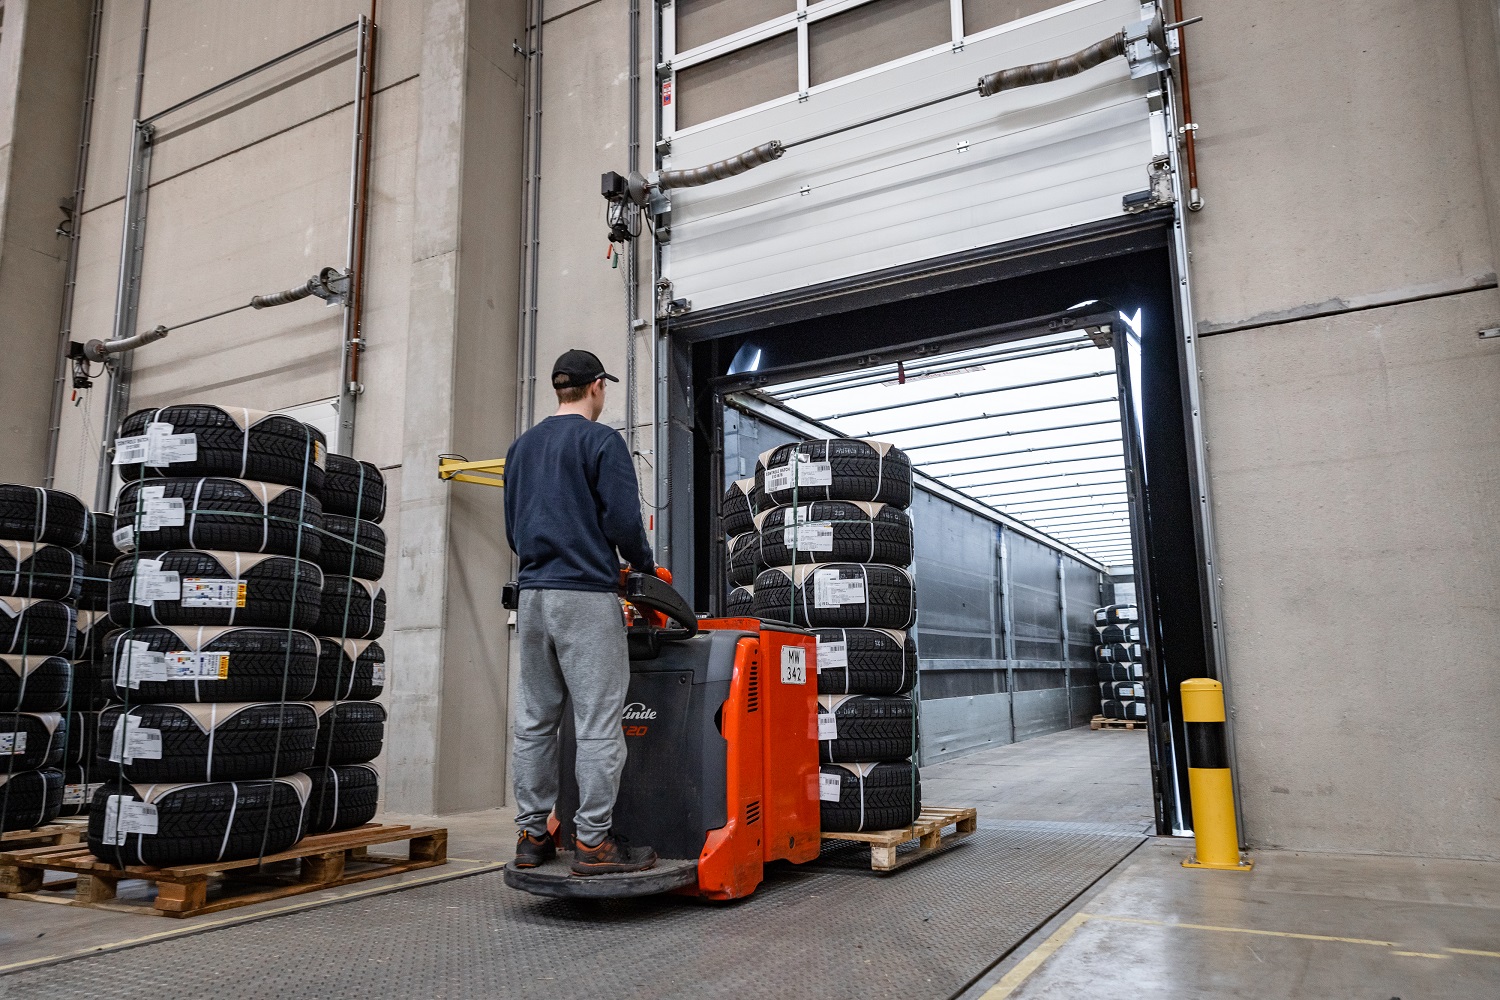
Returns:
<point x="43" y="49"/>
<point x="449" y="705"/>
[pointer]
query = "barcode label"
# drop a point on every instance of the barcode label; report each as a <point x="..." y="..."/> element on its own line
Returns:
<point x="207" y="592"/>
<point x="829" y="787"/>
<point x="131" y="740"/>
<point x="135" y="662"/>
<point x="12" y="743"/>
<point x="809" y="537"/>
<point x="152" y="583"/>
<point x="828" y="726"/>
<point x="183" y="665"/>
<point x="832" y="655"/>
<point x="830" y="591"/>
<point x="124" y="816"/>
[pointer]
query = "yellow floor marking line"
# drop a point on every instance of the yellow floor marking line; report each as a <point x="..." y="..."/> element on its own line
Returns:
<point x="1243" y="930"/>
<point x="1420" y="954"/>
<point x="1018" y="975"/>
<point x="1471" y="951"/>
<point x="305" y="904"/>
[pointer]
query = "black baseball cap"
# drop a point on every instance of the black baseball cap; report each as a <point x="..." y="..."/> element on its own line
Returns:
<point x="576" y="369"/>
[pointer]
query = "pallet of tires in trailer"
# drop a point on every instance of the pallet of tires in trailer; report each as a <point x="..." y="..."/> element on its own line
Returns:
<point x="1119" y="668"/>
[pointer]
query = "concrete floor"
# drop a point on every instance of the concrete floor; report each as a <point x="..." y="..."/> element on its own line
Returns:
<point x="1298" y="926"/>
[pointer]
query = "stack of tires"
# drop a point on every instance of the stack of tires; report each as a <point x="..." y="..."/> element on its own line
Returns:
<point x="1119" y="668"/>
<point x="215" y="597"/>
<point x="835" y="536"/>
<point x="41" y="575"/>
<point x="92" y="685"/>
<point x="351" y="663"/>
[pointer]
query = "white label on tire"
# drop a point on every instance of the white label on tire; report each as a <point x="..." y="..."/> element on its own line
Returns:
<point x="12" y="743"/>
<point x="829" y="591"/>
<point x="809" y="537"/>
<point x="1100" y="615"/>
<point x="828" y="726"/>
<point x="793" y="665"/>
<point x="132" y="740"/>
<point x="80" y="795"/>
<point x="135" y="662"/>
<point x="158" y="510"/>
<point x="184" y="665"/>
<point x="124" y="816"/>
<point x="829" y="787"/>
<point x="1138" y="691"/>
<point x="131" y="450"/>
<point x="164" y="448"/>
<point x="208" y="592"/>
<point x="124" y="538"/>
<point x="377" y="672"/>
<point x="832" y="655"/>
<point x="800" y="473"/>
<point x="152" y="583"/>
<point x="1126" y="614"/>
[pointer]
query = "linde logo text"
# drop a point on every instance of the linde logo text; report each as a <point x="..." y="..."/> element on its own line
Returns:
<point x="638" y="710"/>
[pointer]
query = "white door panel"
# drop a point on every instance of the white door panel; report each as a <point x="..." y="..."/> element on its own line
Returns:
<point x="1033" y="161"/>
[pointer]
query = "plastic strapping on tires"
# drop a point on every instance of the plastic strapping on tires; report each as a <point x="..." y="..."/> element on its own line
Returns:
<point x="234" y="806"/>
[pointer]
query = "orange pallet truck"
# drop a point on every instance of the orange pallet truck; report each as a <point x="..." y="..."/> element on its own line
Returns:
<point x="721" y="774"/>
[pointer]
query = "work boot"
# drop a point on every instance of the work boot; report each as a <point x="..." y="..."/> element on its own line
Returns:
<point x="534" y="851"/>
<point x="612" y="854"/>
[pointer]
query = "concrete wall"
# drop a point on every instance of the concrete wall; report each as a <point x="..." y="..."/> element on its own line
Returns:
<point x="43" y="47"/>
<point x="249" y="194"/>
<point x="1344" y="262"/>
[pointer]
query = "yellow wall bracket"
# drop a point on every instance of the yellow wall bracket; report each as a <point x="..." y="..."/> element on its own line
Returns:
<point x="490" y="472"/>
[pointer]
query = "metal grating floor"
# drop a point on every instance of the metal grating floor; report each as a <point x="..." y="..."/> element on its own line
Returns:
<point x="923" y="932"/>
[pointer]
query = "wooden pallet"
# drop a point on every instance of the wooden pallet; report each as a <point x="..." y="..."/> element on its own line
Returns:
<point x="1100" y="722"/>
<point x="51" y="835"/>
<point x="928" y="829"/>
<point x="321" y="861"/>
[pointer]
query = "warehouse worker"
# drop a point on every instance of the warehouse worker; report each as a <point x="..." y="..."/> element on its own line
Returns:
<point x="570" y="506"/>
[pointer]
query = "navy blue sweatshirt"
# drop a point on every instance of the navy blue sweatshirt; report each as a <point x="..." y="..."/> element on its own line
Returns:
<point x="571" y="501"/>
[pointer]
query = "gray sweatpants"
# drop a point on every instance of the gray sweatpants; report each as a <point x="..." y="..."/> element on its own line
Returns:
<point x="572" y="645"/>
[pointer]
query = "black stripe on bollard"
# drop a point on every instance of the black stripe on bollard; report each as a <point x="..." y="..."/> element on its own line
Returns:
<point x="1206" y="746"/>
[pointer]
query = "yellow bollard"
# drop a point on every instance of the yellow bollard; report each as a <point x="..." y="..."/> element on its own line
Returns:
<point x="1209" y="779"/>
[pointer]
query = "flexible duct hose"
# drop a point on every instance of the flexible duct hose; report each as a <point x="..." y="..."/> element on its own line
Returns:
<point x="1056" y="69"/>
<point x="290" y="295"/>
<point x="696" y="176"/>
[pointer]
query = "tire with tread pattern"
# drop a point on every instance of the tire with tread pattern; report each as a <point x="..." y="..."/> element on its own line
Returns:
<point x="45" y="743"/>
<point x="1118" y="672"/>
<point x="37" y="627"/>
<point x="1110" y="635"/>
<point x="92" y="628"/>
<point x="857" y="468"/>
<point x="230" y="515"/>
<point x="348" y="610"/>
<point x="352" y="538"/>
<point x="339" y="677"/>
<point x="341" y="797"/>
<point x="275" y="448"/>
<point x="870" y="728"/>
<point x="35" y="683"/>
<point x="243" y="743"/>
<point x="349" y="732"/>
<point x="46" y="571"/>
<point x="99" y="545"/>
<point x="354" y="489"/>
<point x="737" y="510"/>
<point x="859" y="536"/>
<point x="876" y="662"/>
<point x="83" y="740"/>
<point x="744" y="559"/>
<point x="888" y="798"/>
<point x="33" y="514"/>
<point x="1117" y="614"/>
<point x="265" y="664"/>
<point x="203" y="823"/>
<point x="29" y="799"/>
<point x="94" y="593"/>
<point x="270" y="588"/>
<point x="740" y="603"/>
<point x="889" y="598"/>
